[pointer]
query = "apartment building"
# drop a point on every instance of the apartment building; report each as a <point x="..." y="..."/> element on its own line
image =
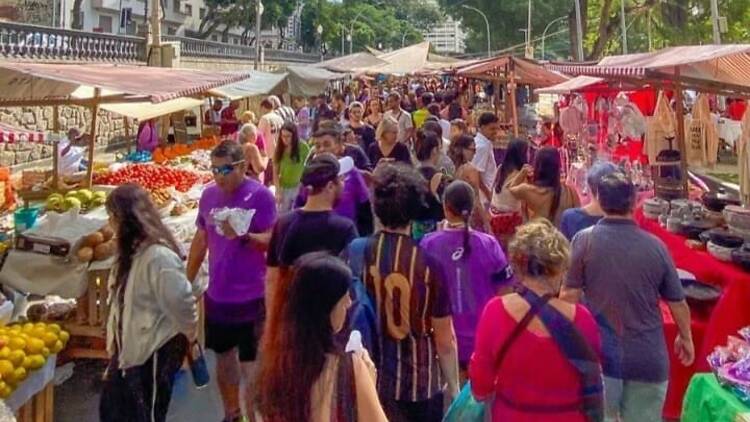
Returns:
<point x="447" y="37"/>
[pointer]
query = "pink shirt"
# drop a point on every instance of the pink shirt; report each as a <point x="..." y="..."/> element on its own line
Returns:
<point x="534" y="370"/>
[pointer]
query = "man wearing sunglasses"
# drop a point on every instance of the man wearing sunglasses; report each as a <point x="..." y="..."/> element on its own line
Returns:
<point x="235" y="298"/>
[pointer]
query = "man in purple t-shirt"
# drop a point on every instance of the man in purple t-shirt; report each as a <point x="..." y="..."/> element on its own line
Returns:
<point x="235" y="296"/>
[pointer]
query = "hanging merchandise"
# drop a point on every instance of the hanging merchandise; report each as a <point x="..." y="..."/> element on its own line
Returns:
<point x="659" y="127"/>
<point x="743" y="159"/>
<point x="628" y="120"/>
<point x="602" y="119"/>
<point x="572" y="117"/>
<point x="702" y="135"/>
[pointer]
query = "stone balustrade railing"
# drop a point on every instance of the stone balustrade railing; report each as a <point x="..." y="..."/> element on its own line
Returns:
<point x="22" y="41"/>
<point x="41" y="43"/>
<point x="193" y="47"/>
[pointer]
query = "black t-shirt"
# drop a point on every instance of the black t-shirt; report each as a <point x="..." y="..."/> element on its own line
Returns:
<point x="299" y="232"/>
<point x="399" y="153"/>
<point x="358" y="156"/>
<point x="365" y="136"/>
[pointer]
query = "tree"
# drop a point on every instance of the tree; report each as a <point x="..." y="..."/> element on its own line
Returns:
<point x="370" y="23"/>
<point x="228" y="14"/>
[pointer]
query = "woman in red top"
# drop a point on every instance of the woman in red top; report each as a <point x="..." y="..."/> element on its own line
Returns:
<point x="534" y="380"/>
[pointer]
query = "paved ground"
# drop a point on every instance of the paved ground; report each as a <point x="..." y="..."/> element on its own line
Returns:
<point x="77" y="399"/>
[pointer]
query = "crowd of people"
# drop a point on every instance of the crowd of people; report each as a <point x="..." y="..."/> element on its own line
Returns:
<point x="393" y="206"/>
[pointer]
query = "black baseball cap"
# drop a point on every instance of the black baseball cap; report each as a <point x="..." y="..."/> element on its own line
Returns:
<point x="323" y="168"/>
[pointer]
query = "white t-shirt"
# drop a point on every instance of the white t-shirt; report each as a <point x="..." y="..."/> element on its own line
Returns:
<point x="404" y="123"/>
<point x="270" y="126"/>
<point x="484" y="161"/>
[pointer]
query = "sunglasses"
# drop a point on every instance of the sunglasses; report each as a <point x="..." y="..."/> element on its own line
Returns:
<point x="226" y="169"/>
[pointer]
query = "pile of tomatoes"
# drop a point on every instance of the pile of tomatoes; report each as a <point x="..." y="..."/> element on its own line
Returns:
<point x="151" y="177"/>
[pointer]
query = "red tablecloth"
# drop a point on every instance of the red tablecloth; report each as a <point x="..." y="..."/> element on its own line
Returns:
<point x="730" y="314"/>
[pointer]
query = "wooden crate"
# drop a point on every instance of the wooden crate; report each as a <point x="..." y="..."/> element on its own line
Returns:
<point x="40" y="408"/>
<point x="88" y="326"/>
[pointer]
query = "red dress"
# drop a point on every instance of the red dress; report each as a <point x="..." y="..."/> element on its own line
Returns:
<point x="534" y="370"/>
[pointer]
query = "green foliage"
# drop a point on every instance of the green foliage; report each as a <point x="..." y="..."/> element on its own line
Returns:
<point x="384" y="23"/>
<point x="651" y="24"/>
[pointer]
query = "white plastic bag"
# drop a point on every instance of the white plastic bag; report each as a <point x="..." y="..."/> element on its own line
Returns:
<point x="238" y="218"/>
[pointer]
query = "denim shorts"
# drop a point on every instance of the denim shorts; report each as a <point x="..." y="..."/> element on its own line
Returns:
<point x="634" y="401"/>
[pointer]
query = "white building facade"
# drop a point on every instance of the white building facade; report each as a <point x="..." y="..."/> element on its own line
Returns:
<point x="181" y="18"/>
<point x="447" y="37"/>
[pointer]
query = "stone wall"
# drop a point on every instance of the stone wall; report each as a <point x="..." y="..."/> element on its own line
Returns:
<point x="110" y="129"/>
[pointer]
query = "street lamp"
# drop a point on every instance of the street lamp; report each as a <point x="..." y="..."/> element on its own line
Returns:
<point x="258" y="14"/>
<point x="549" y="25"/>
<point x="489" y="47"/>
<point x="320" y="36"/>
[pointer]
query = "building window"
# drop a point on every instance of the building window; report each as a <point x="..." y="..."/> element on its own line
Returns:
<point x="214" y="38"/>
<point x="202" y="12"/>
<point x="189" y="9"/>
<point x="176" y="5"/>
<point x="171" y="30"/>
<point x="105" y="23"/>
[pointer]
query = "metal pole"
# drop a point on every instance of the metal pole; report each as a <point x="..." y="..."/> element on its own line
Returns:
<point x="119" y="24"/>
<point x="544" y="34"/>
<point x="528" y="32"/>
<point x="258" y="14"/>
<point x="624" y="28"/>
<point x="579" y="29"/>
<point x="715" y="21"/>
<point x="487" y="22"/>
<point x="403" y="40"/>
<point x="342" y="40"/>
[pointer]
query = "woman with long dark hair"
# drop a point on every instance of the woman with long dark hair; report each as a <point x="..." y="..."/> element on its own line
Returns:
<point x="473" y="264"/>
<point x="542" y="192"/>
<point x="462" y="151"/>
<point x="505" y="209"/>
<point x="289" y="162"/>
<point x="304" y="376"/>
<point x="374" y="112"/>
<point x="152" y="314"/>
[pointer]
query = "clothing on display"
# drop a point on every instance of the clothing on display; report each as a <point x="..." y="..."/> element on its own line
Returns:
<point x="743" y="159"/>
<point x="659" y="127"/>
<point x="702" y="135"/>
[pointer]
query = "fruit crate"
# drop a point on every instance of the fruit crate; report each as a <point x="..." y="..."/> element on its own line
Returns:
<point x="40" y="408"/>
<point x="87" y="327"/>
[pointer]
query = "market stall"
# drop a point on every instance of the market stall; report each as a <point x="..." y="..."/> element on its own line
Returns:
<point x="706" y="400"/>
<point x="508" y="73"/>
<point x="681" y="224"/>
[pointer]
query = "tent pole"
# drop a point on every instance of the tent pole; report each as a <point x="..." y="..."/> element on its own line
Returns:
<point x="682" y="142"/>
<point x="126" y="122"/>
<point x="512" y="94"/>
<point x="92" y="141"/>
<point x="55" y="148"/>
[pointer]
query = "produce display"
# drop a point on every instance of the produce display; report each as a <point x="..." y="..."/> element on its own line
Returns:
<point x="152" y="177"/>
<point x="24" y="348"/>
<point x="162" y="155"/>
<point x="137" y="157"/>
<point x="97" y="246"/>
<point x="83" y="199"/>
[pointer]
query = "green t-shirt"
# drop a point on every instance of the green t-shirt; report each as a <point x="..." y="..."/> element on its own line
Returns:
<point x="290" y="171"/>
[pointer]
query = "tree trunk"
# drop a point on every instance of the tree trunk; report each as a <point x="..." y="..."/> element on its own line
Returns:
<point x="77" y="23"/>
<point x="573" y="28"/>
<point x="607" y="26"/>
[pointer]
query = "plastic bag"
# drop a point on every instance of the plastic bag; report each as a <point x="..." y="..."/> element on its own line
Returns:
<point x="465" y="408"/>
<point x="238" y="218"/>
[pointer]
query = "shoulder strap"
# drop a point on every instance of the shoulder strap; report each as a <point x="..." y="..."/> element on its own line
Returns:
<point x="344" y="404"/>
<point x="518" y="329"/>
<point x="357" y="250"/>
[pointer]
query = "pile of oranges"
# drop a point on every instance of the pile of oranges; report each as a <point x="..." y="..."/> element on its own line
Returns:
<point x="162" y="155"/>
<point x="24" y="348"/>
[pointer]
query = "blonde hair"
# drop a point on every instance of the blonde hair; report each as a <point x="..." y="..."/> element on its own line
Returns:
<point x="247" y="117"/>
<point x="539" y="250"/>
<point x="389" y="123"/>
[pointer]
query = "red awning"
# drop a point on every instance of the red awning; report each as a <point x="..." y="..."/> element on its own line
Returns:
<point x="706" y="64"/>
<point x="11" y="134"/>
<point x="37" y="81"/>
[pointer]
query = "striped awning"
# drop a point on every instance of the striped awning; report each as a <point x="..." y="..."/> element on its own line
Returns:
<point x="11" y="134"/>
<point x="23" y="81"/>
<point x="527" y="72"/>
<point x="716" y="65"/>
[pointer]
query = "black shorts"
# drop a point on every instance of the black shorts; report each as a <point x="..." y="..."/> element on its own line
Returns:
<point x="223" y="337"/>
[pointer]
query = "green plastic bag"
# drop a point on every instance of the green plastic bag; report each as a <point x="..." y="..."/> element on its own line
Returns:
<point x="466" y="409"/>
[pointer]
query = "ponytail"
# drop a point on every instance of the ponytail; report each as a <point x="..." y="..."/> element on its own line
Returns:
<point x="466" y="215"/>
